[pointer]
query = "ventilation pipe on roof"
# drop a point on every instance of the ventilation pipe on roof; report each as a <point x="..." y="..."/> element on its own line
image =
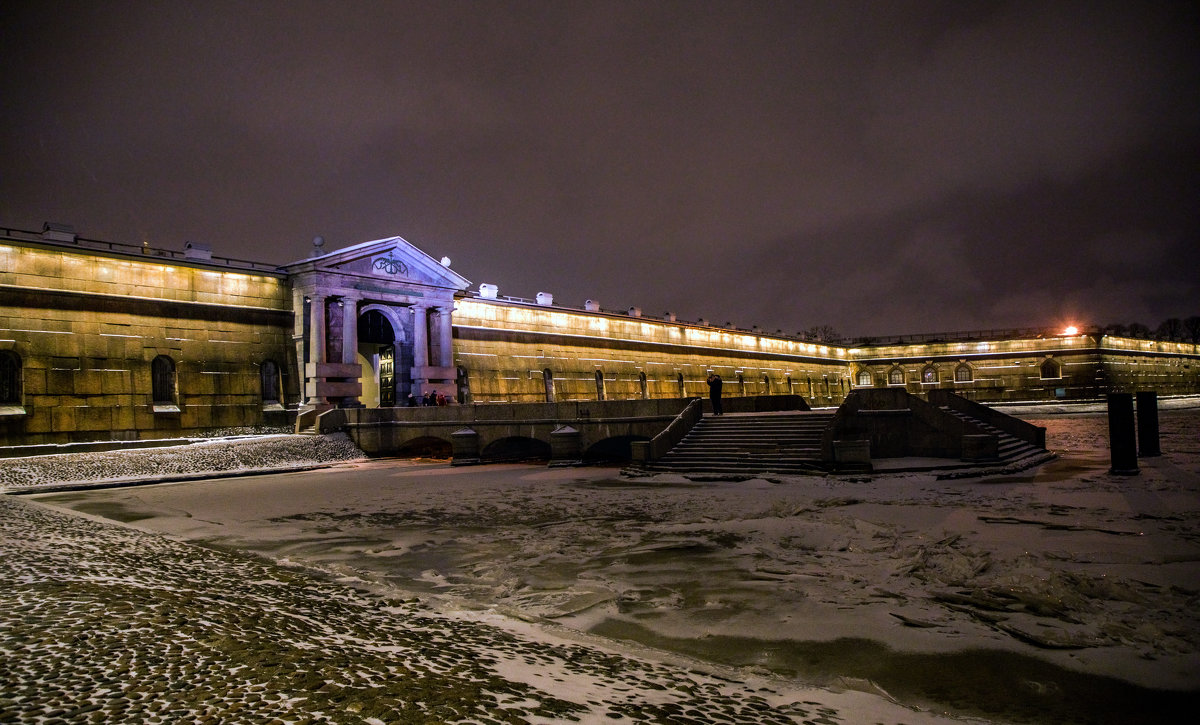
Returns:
<point x="488" y="291"/>
<point x="545" y="298"/>
<point x="591" y="305"/>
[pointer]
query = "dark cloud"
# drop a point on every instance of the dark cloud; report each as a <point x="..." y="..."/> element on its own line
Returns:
<point x="882" y="167"/>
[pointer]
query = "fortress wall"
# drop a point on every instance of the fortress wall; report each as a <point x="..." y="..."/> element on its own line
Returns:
<point x="1131" y="365"/>
<point x="504" y="347"/>
<point x="87" y="327"/>
<point x="1051" y="368"/>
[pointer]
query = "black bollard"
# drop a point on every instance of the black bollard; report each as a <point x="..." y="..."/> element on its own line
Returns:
<point x="1122" y="440"/>
<point x="1147" y="423"/>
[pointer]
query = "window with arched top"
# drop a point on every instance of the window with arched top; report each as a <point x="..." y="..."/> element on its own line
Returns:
<point x="963" y="374"/>
<point x="269" y="382"/>
<point x="1051" y="369"/>
<point x="896" y="376"/>
<point x="929" y="375"/>
<point x="599" y="385"/>
<point x="162" y="380"/>
<point x="864" y="378"/>
<point x="10" y="378"/>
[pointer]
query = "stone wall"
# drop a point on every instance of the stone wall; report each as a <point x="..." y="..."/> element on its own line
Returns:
<point x="86" y="327"/>
<point x="1052" y="368"/>
<point x="505" y="348"/>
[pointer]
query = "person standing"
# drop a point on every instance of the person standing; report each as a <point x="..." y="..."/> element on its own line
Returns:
<point x="714" y="393"/>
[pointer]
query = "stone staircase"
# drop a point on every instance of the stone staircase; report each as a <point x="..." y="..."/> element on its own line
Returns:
<point x="749" y="443"/>
<point x="1012" y="450"/>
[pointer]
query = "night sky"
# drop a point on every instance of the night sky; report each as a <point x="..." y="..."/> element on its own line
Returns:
<point x="881" y="167"/>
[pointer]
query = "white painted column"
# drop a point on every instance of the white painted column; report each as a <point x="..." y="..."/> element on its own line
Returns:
<point x="445" y="337"/>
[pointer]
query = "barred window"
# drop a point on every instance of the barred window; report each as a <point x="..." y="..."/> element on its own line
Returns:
<point x="270" y="381"/>
<point x="162" y="372"/>
<point x="10" y="378"/>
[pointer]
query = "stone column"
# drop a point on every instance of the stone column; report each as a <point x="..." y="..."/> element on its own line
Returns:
<point x="420" y="336"/>
<point x="420" y="380"/>
<point x="445" y="338"/>
<point x="316" y="349"/>
<point x="349" y="330"/>
<point x="316" y="341"/>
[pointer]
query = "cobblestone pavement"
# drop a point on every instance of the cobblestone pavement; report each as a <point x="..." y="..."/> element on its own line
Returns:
<point x="103" y="623"/>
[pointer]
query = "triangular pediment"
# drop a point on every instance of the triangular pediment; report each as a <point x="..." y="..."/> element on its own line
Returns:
<point x="393" y="258"/>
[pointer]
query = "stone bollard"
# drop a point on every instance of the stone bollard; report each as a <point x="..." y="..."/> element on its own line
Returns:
<point x="1122" y="440"/>
<point x="565" y="447"/>
<point x="1147" y="423"/>
<point x="464" y="447"/>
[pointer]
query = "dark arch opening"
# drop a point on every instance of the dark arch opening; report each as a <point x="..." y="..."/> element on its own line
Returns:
<point x="612" y="450"/>
<point x="425" y="447"/>
<point x="516" y="448"/>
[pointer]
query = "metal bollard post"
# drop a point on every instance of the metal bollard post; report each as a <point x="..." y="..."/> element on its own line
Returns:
<point x="1122" y="440"/>
<point x="1147" y="424"/>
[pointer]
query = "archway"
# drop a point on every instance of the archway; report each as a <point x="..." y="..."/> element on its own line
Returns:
<point x="516" y="448"/>
<point x="385" y="355"/>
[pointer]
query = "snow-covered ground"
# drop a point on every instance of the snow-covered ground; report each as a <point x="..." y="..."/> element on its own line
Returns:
<point x="1060" y="594"/>
<point x="194" y="458"/>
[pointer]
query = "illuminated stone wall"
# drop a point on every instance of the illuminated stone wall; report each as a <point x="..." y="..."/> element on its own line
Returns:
<point x="1060" y="367"/>
<point x="87" y="325"/>
<point x="506" y="347"/>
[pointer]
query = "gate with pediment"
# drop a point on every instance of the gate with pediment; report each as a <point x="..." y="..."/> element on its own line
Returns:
<point x="344" y="300"/>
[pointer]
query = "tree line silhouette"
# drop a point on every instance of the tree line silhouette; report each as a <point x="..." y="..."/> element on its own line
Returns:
<point x="1172" y="329"/>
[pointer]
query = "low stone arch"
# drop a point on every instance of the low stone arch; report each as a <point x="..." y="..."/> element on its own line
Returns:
<point x="516" y="448"/>
<point x="616" y="449"/>
<point x="426" y="447"/>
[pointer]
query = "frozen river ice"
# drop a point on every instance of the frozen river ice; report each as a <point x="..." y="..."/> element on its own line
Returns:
<point x="1061" y="594"/>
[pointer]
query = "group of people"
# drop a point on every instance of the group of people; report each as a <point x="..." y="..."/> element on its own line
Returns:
<point x="428" y="399"/>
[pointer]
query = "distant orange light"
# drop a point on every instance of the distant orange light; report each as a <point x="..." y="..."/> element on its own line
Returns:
<point x="1072" y="330"/>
